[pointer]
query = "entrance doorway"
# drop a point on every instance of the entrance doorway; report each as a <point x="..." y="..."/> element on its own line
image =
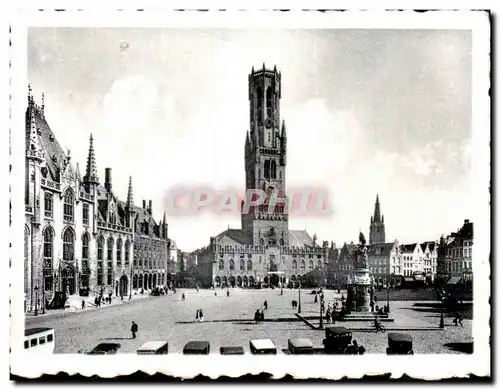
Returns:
<point x="68" y="280"/>
<point x="123" y="286"/>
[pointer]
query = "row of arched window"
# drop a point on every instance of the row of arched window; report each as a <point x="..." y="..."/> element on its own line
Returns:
<point x="231" y="264"/>
<point x="270" y="169"/>
<point x="260" y="103"/>
<point x="68" y="207"/>
<point x="302" y="265"/>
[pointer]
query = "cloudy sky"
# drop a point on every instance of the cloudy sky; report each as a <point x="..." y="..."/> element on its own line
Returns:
<point x="367" y="112"/>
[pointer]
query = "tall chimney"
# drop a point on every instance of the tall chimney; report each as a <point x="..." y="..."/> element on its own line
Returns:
<point x="144" y="204"/>
<point x="150" y="207"/>
<point x="107" y="180"/>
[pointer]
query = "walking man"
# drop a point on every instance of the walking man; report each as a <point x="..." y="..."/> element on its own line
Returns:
<point x="134" y="328"/>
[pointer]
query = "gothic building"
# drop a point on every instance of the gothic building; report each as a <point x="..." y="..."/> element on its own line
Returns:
<point x="264" y="251"/>
<point x="79" y="239"/>
<point x="377" y="226"/>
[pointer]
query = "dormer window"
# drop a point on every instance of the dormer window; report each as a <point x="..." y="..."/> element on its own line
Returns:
<point x="38" y="131"/>
<point x="51" y="137"/>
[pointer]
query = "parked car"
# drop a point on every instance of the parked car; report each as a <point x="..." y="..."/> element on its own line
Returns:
<point x="337" y="339"/>
<point x="105" y="349"/>
<point x="399" y="344"/>
<point x="196" y="348"/>
<point x="300" y="346"/>
<point x="232" y="351"/>
<point x="262" y="347"/>
<point x="153" y="348"/>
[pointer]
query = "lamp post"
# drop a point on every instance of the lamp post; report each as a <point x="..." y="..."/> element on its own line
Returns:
<point x="388" y="289"/>
<point x="300" y="307"/>
<point x="36" y="300"/>
<point x="43" y="294"/>
<point x="321" y="315"/>
<point x="441" y="321"/>
<point x="130" y="282"/>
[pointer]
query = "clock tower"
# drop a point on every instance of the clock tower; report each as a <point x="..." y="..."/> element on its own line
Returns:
<point x="265" y="158"/>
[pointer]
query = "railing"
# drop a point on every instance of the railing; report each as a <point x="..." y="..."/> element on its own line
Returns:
<point x="51" y="184"/>
<point x="28" y="209"/>
<point x="270" y="151"/>
<point x="113" y="227"/>
<point x="84" y="195"/>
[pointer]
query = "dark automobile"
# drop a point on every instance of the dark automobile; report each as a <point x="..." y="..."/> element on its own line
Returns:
<point x="300" y="346"/>
<point x="232" y="351"/>
<point x="197" y="348"/>
<point x="337" y="339"/>
<point x="105" y="349"/>
<point x="399" y="344"/>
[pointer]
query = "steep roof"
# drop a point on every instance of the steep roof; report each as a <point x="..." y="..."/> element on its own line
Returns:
<point x="380" y="249"/>
<point x="430" y="244"/>
<point x="299" y="238"/>
<point x="54" y="153"/>
<point x="240" y="236"/>
<point x="408" y="247"/>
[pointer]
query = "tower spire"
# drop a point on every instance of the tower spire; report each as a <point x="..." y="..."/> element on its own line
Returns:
<point x="130" y="194"/>
<point x="376" y="215"/>
<point x="33" y="147"/>
<point x="91" y="172"/>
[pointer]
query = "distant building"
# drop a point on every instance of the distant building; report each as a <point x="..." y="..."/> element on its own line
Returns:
<point x="384" y="262"/>
<point x="430" y="249"/>
<point x="456" y="259"/>
<point x="343" y="267"/>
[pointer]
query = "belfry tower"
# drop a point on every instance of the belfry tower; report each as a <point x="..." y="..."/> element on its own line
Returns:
<point x="377" y="226"/>
<point x="265" y="158"/>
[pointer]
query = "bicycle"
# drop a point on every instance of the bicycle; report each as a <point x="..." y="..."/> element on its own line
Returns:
<point x="378" y="327"/>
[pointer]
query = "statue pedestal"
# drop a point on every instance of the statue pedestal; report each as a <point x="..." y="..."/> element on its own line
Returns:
<point x="358" y="295"/>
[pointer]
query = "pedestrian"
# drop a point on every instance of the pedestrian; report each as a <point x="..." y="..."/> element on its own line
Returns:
<point x="183" y="297"/>
<point x="227" y="292"/>
<point x="201" y="315"/>
<point x="338" y="291"/>
<point x="215" y="293"/>
<point x="256" y="317"/>
<point x="265" y="304"/>
<point x="197" y="319"/>
<point x="83" y="304"/>
<point x="327" y="316"/>
<point x="372" y="304"/>
<point x="262" y="315"/>
<point x="134" y="328"/>
<point x="315" y="298"/>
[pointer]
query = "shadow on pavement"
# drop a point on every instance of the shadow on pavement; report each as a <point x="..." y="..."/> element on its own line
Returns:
<point x="461" y="347"/>
<point x="116" y="338"/>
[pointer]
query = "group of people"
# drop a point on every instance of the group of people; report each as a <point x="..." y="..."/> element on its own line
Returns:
<point x="199" y="315"/>
<point x="259" y="314"/>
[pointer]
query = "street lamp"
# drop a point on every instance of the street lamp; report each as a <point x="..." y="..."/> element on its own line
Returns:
<point x="300" y="307"/>
<point x="388" y="289"/>
<point x="321" y="315"/>
<point x="36" y="300"/>
<point x="43" y="295"/>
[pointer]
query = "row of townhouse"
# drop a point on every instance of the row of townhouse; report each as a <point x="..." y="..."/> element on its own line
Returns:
<point x="387" y="262"/>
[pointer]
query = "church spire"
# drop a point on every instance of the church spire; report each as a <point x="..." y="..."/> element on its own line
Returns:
<point x="130" y="194"/>
<point x="91" y="172"/>
<point x="376" y="215"/>
<point x="33" y="147"/>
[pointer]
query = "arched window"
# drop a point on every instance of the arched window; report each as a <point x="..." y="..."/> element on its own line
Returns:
<point x="311" y="265"/>
<point x="85" y="214"/>
<point x="267" y="168"/>
<point x="249" y="265"/>
<point x="260" y="102"/>
<point x="134" y="281"/>
<point x="242" y="264"/>
<point x="119" y="245"/>
<point x="85" y="248"/>
<point x="269" y="101"/>
<point x="221" y="264"/>
<point x="273" y="169"/>
<point x="110" y="249"/>
<point x="48" y="240"/>
<point x="294" y="264"/>
<point x="68" y="245"/>
<point x="140" y="281"/>
<point x="302" y="265"/>
<point x="48" y="204"/>
<point x="127" y="254"/>
<point x="100" y="255"/>
<point x="282" y="242"/>
<point x="320" y="265"/>
<point x="231" y="264"/>
<point x="68" y="205"/>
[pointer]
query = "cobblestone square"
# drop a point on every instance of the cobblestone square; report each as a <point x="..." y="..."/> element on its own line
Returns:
<point x="228" y="321"/>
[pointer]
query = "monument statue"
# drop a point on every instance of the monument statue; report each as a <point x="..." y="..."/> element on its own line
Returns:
<point x="359" y="291"/>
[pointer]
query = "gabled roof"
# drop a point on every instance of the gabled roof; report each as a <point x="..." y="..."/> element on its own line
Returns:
<point x="49" y="143"/>
<point x="380" y="249"/>
<point x="430" y="244"/>
<point x="299" y="238"/>
<point x="242" y="237"/>
<point x="408" y="248"/>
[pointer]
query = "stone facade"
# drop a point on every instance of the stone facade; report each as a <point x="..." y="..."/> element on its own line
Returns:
<point x="385" y="263"/>
<point x="264" y="251"/>
<point x="456" y="259"/>
<point x="79" y="239"/>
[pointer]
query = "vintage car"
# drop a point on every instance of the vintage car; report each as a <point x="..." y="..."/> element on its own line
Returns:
<point x="232" y="351"/>
<point x="105" y="349"/>
<point x="196" y="348"/>
<point x="262" y="347"/>
<point x="153" y="348"/>
<point x="338" y="338"/>
<point x="300" y="346"/>
<point x="399" y="344"/>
